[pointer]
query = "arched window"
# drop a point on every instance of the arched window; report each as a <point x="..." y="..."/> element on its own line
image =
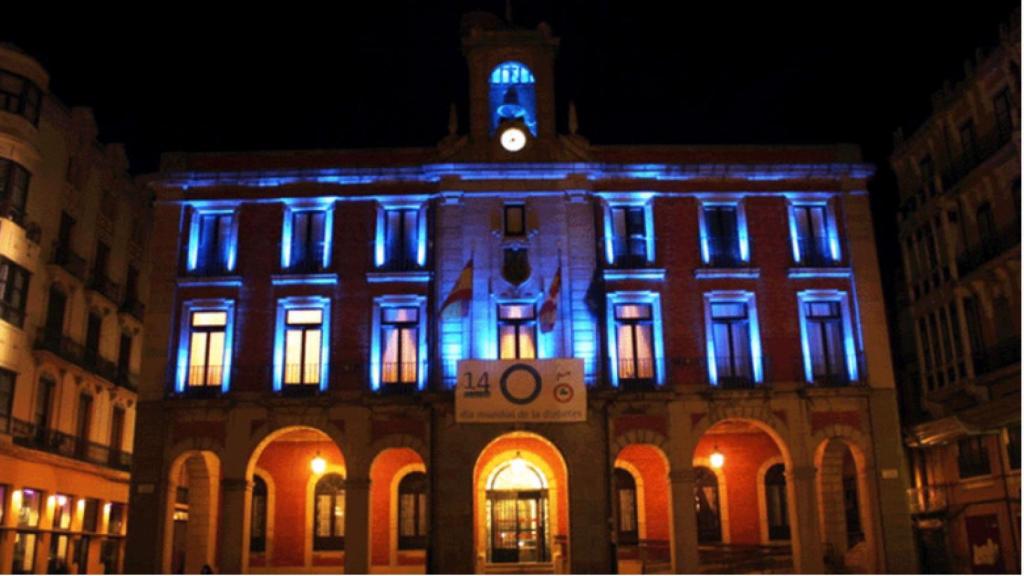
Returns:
<point x="412" y="512"/>
<point x="329" y="513"/>
<point x="775" y="502"/>
<point x="709" y="522"/>
<point x="258" y="516"/>
<point x="625" y="499"/>
<point x="513" y="96"/>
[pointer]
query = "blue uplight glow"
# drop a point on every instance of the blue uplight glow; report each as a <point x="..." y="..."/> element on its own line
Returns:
<point x="322" y="279"/>
<point x="185" y="332"/>
<point x="849" y="341"/>
<point x="322" y="303"/>
<point x="743" y="297"/>
<point x="636" y="297"/>
<point x="655" y="274"/>
<point x="719" y="273"/>
<point x="513" y="95"/>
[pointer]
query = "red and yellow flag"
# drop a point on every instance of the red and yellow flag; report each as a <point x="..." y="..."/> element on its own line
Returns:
<point x="458" y="300"/>
<point x="549" y="310"/>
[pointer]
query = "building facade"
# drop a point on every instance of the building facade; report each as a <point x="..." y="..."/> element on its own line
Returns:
<point x="959" y="182"/>
<point x="73" y="268"/>
<point x="684" y="350"/>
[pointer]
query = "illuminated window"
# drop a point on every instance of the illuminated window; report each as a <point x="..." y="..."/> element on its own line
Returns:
<point x="13" y="292"/>
<point x="625" y="490"/>
<point x="207" y="349"/>
<point x="19" y="95"/>
<point x="62" y="510"/>
<point x="730" y="337"/>
<point x="309" y="241"/>
<point x="517" y="331"/>
<point x="14" y="180"/>
<point x="721" y="225"/>
<point x="400" y="338"/>
<point x="814" y="241"/>
<point x="25" y="542"/>
<point x="212" y="243"/>
<point x="329" y="513"/>
<point x="302" y="347"/>
<point x="824" y="322"/>
<point x="629" y="236"/>
<point x="258" y="530"/>
<point x="634" y="333"/>
<point x="412" y="512"/>
<point x="513" y="95"/>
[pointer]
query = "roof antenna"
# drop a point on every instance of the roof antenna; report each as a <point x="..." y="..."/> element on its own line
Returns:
<point x="508" y="12"/>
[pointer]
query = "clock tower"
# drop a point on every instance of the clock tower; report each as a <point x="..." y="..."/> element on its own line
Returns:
<point x="511" y="86"/>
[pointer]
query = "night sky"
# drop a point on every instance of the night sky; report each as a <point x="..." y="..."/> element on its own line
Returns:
<point x="180" y="78"/>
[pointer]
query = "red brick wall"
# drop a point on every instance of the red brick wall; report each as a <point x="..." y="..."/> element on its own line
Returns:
<point x="653" y="469"/>
<point x="382" y="474"/>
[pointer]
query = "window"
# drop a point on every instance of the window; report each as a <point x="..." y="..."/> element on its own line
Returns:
<point x="212" y="243"/>
<point x="399" y="334"/>
<point x="709" y="519"/>
<point x="93" y="330"/>
<point x="14" y="180"/>
<point x="824" y="325"/>
<point x="629" y="236"/>
<point x="401" y="241"/>
<point x="117" y="429"/>
<point x="721" y="236"/>
<point x="43" y="406"/>
<point x="512" y="95"/>
<point x="115" y="523"/>
<point x="124" y="356"/>
<point x="307" y="248"/>
<point x="634" y="332"/>
<point x="13" y="292"/>
<point x="515" y="220"/>
<point x="968" y="144"/>
<point x="732" y="364"/>
<point x="19" y="95"/>
<point x="131" y="284"/>
<point x="329" y="513"/>
<point x="775" y="502"/>
<point x="258" y="530"/>
<point x="99" y="264"/>
<point x="25" y="542"/>
<point x="927" y="169"/>
<point x="207" y="349"/>
<point x="412" y="512"/>
<point x="1012" y="439"/>
<point x="972" y="457"/>
<point x="302" y="344"/>
<point x="517" y="331"/>
<point x="625" y="500"/>
<point x="986" y="225"/>
<point x="83" y="424"/>
<point x="3" y="503"/>
<point x="814" y="243"/>
<point x="7" y="379"/>
<point x="1002" y="106"/>
<point x="302" y="348"/>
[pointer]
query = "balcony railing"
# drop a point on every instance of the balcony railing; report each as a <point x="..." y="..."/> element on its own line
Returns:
<point x="306" y="266"/>
<point x="212" y="268"/>
<point x="988" y="249"/>
<point x="815" y="252"/>
<point x="29" y="435"/>
<point x="66" y="348"/>
<point x="67" y="259"/>
<point x="107" y="287"/>
<point x="1001" y="355"/>
<point x="133" y="306"/>
<point x="398" y="373"/>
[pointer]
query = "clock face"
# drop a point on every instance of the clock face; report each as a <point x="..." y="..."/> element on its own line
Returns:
<point x="513" y="139"/>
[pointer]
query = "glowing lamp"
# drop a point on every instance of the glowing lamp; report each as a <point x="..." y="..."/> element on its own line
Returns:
<point x="318" y="464"/>
<point x="518" y="465"/>
<point x="717" y="459"/>
<point x="62" y="500"/>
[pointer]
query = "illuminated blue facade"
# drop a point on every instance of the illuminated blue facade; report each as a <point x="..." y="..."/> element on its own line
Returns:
<point x="513" y="95"/>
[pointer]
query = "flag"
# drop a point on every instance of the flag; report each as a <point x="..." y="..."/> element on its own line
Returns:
<point x="458" y="300"/>
<point x="549" y="310"/>
<point x="594" y="299"/>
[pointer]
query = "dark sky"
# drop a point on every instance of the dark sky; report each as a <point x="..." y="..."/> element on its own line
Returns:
<point x="182" y="78"/>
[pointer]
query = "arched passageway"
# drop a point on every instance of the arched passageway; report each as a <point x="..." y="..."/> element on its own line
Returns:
<point x="641" y="504"/>
<point x="398" y="512"/>
<point x="192" y="502"/>
<point x="845" y="521"/>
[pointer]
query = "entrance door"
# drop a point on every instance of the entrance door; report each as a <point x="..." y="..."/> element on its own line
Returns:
<point x="518" y="526"/>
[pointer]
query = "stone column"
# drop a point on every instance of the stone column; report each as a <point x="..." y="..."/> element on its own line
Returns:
<point x="235" y="498"/>
<point x="685" y="556"/>
<point x="803" y="519"/>
<point x="7" y="536"/>
<point x="357" y="525"/>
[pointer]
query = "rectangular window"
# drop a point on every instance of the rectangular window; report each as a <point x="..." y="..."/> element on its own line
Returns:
<point x="629" y="236"/>
<point x="927" y="169"/>
<point x="214" y="243"/>
<point x="99" y="264"/>
<point x="515" y="220"/>
<point x="811" y="230"/>
<point x="7" y="379"/>
<point x="19" y="95"/>
<point x="634" y="333"/>
<point x="1013" y="446"/>
<point x="14" y="180"/>
<point x="401" y="239"/>
<point x="968" y="144"/>
<point x="93" y="329"/>
<point x="124" y="355"/>
<point x="730" y="332"/>
<point x="400" y="340"/>
<point x="824" y="326"/>
<point x="43" y="406"/>
<point x="13" y="292"/>
<point x="25" y="542"/>
<point x="83" y="424"/>
<point x="117" y="429"/>
<point x="723" y="241"/>
<point x="31" y="505"/>
<point x="972" y="457"/>
<point x="517" y="331"/>
<point x="308" y="241"/>
<point x="1003" y="108"/>
<point x="206" y="350"/>
<point x="115" y="523"/>
<point x="303" y="346"/>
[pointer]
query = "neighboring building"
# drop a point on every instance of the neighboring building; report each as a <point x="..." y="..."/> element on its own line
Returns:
<point x="73" y="268"/>
<point x="959" y="181"/>
<point x="634" y="316"/>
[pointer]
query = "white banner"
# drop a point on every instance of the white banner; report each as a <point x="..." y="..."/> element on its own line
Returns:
<point x="521" y="391"/>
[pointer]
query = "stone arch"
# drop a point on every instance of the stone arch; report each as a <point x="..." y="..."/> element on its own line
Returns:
<point x="829" y="455"/>
<point x="399" y="441"/>
<point x="191" y="544"/>
<point x="759" y="416"/>
<point x="388" y="467"/>
<point x="271" y="430"/>
<point x="641" y="436"/>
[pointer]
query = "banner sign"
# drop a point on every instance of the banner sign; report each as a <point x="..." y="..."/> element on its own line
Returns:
<point x="521" y="391"/>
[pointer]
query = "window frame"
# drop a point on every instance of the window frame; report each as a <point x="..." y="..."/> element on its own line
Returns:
<point x="851" y="347"/>
<point x="627" y="259"/>
<point x="657" y="334"/>
<point x="288" y="231"/>
<point x="410" y="262"/>
<point x="519" y="324"/>
<point x="193" y="266"/>
<point x="10" y="276"/>
<point x="377" y="344"/>
<point x="742" y="237"/>
<point x="418" y="540"/>
<point x="7" y="412"/>
<point x="19" y="103"/>
<point x="14" y="177"/>
<point x="333" y="542"/>
<point x="190" y="307"/>
<point x="978" y="463"/>
<point x="749" y="300"/>
<point x="284" y="305"/>
<point x="833" y="253"/>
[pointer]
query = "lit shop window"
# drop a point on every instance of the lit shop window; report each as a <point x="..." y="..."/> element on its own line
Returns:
<point x="306" y="245"/>
<point x="212" y="242"/>
<point x="302" y="343"/>
<point x="830" y="356"/>
<point x="204" y="354"/>
<point x="517" y="331"/>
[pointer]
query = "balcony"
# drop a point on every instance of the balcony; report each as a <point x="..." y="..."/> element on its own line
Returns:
<point x="988" y="249"/>
<point x="997" y="357"/>
<point x="11" y="314"/>
<point x="29" y="435"/>
<point x="928" y="500"/>
<point x="108" y="288"/>
<point x="133" y="307"/>
<point x="815" y="253"/>
<point x="77" y="354"/>
<point x="72" y="263"/>
<point x="213" y="268"/>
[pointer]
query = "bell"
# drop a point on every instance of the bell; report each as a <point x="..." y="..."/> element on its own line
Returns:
<point x="510" y="107"/>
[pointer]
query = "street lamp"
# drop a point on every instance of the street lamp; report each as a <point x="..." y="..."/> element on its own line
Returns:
<point x="717" y="459"/>
<point x="318" y="464"/>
